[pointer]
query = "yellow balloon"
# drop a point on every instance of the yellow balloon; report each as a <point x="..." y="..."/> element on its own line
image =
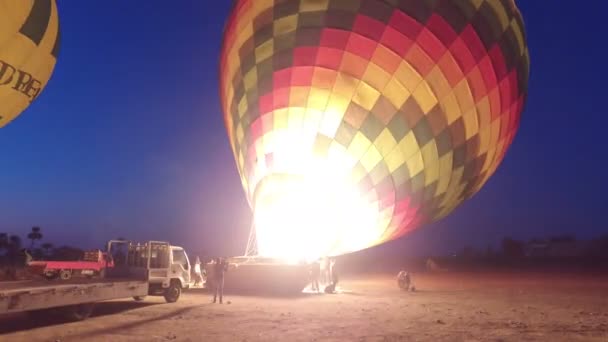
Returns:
<point x="29" y="44"/>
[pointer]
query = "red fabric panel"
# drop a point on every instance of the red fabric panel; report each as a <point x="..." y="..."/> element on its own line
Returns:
<point x="368" y="27"/>
<point x="361" y="46"/>
<point x="396" y="41"/>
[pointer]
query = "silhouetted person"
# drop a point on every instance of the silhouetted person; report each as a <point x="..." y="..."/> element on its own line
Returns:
<point x="333" y="269"/>
<point x="404" y="280"/>
<point x="219" y="268"/>
<point x="315" y="273"/>
<point x="325" y="271"/>
<point x="198" y="275"/>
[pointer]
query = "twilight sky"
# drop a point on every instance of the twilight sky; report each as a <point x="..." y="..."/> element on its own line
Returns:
<point x="128" y="138"/>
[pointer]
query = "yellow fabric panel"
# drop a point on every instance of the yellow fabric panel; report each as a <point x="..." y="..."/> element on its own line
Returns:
<point x="471" y="126"/>
<point x="242" y="108"/>
<point x="366" y="96"/>
<point x="484" y="116"/>
<point x="259" y="6"/>
<point x="430" y="158"/>
<point x="242" y="36"/>
<point x="464" y="95"/>
<point x="312" y="118"/>
<point x="489" y="160"/>
<point x="425" y="97"/>
<point x="240" y="134"/>
<point x="429" y="152"/>
<point x="317" y="98"/>
<point x="298" y="95"/>
<point x="17" y="50"/>
<point x="359" y="145"/>
<point x="285" y="25"/>
<point x="251" y="78"/>
<point x="501" y="14"/>
<point x="385" y="142"/>
<point x="431" y="173"/>
<point x="357" y="174"/>
<point x="451" y="108"/>
<point x="375" y="76"/>
<point x="409" y="145"/>
<point x="296" y="117"/>
<point x="313" y="5"/>
<point x="264" y="51"/>
<point x="408" y="76"/>
<point x="12" y="16"/>
<point x="454" y="186"/>
<point x="241" y="161"/>
<point x="345" y="85"/>
<point x="333" y="115"/>
<point x="395" y="159"/>
<point x="338" y="154"/>
<point x="269" y="142"/>
<point x="415" y="164"/>
<point x="396" y="93"/>
<point x="438" y="83"/>
<point x="495" y="131"/>
<point x="445" y="173"/>
<point x="478" y="3"/>
<point x="280" y="118"/>
<point x="371" y="158"/>
<point x="518" y="35"/>
<point x="484" y="139"/>
<point x="483" y="106"/>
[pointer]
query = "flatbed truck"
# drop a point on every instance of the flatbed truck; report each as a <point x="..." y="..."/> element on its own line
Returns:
<point x="153" y="268"/>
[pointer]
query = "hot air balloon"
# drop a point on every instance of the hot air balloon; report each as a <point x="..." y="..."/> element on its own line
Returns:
<point x="29" y="44"/>
<point x="354" y="122"/>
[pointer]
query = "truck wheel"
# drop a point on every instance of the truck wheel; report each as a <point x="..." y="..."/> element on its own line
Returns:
<point x="139" y="298"/>
<point x="173" y="292"/>
<point x="79" y="312"/>
<point x="65" y="274"/>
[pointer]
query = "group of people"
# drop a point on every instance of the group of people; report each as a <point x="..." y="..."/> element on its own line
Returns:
<point x="324" y="271"/>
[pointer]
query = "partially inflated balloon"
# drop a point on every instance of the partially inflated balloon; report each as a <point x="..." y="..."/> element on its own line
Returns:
<point x="413" y="103"/>
<point x="29" y="43"/>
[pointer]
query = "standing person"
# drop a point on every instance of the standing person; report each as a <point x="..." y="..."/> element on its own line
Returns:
<point x="334" y="272"/>
<point x="315" y="272"/>
<point x="325" y="274"/>
<point x="198" y="276"/>
<point x="219" y="268"/>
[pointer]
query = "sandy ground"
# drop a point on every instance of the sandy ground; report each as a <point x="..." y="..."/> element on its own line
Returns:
<point x="446" y="307"/>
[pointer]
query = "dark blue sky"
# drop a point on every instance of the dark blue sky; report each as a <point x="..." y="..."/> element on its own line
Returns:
<point x="128" y="138"/>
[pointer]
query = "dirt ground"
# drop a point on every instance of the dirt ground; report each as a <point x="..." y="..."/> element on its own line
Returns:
<point x="445" y="307"/>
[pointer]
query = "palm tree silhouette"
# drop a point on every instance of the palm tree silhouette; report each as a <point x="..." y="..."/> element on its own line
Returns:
<point x="34" y="235"/>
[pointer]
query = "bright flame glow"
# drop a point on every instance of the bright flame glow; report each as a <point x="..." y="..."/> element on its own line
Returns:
<point x="317" y="213"/>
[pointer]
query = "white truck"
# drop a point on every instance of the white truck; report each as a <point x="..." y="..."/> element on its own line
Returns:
<point x="153" y="268"/>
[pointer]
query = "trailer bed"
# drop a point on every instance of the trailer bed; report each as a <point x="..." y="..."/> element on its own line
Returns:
<point x="38" y="294"/>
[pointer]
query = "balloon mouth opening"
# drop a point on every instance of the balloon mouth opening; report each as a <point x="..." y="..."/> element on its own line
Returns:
<point x="301" y="218"/>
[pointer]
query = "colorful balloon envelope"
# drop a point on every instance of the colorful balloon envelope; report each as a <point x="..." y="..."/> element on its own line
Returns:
<point x="29" y="44"/>
<point x="353" y="122"/>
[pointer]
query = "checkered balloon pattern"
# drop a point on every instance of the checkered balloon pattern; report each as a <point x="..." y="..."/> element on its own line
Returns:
<point x="420" y="98"/>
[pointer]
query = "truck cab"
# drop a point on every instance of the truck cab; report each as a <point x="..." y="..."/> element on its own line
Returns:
<point x="168" y="267"/>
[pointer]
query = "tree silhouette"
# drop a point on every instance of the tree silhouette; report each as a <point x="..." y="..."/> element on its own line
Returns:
<point x="34" y="235"/>
<point x="47" y="247"/>
<point x="3" y="241"/>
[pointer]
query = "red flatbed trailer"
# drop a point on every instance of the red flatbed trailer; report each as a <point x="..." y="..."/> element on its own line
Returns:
<point x="94" y="263"/>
